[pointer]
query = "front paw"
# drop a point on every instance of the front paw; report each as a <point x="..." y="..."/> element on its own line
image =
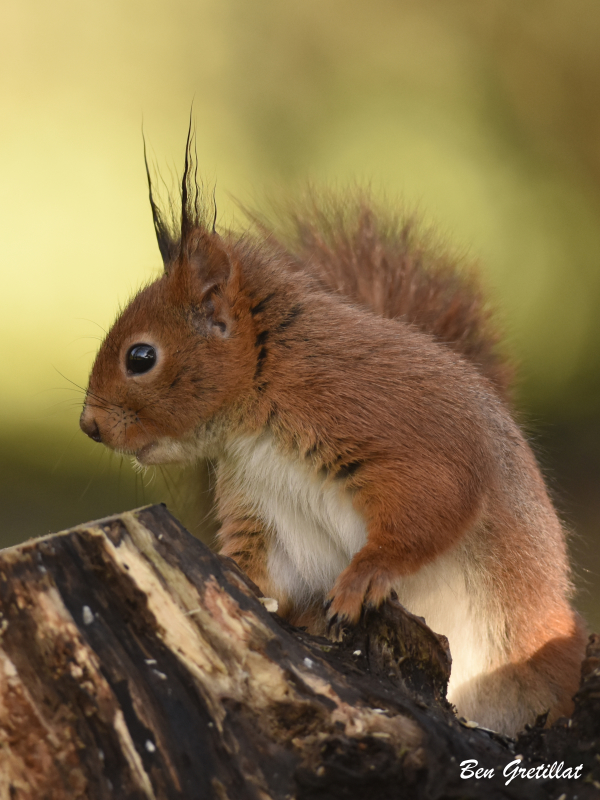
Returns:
<point x="363" y="584"/>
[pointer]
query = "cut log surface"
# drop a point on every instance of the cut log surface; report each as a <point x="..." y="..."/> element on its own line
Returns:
<point x="135" y="663"/>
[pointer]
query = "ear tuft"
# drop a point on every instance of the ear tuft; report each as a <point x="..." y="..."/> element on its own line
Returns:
<point x="167" y="242"/>
<point x="198" y="213"/>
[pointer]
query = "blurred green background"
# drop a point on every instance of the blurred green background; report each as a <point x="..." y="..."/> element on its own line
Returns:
<point x="483" y="115"/>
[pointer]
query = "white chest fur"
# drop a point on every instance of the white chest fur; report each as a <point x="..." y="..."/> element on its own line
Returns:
<point x="316" y="530"/>
<point x="314" y="527"/>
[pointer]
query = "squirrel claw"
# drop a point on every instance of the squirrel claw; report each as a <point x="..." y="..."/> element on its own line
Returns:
<point x="336" y="627"/>
<point x="331" y="623"/>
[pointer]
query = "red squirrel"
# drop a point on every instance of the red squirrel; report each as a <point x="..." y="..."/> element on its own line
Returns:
<point x="347" y="383"/>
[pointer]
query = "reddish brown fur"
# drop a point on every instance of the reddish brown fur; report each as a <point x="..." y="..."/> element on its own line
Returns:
<point x="386" y="264"/>
<point x="367" y="358"/>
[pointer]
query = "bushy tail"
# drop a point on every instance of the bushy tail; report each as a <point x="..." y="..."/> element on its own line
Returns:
<point x="390" y="267"/>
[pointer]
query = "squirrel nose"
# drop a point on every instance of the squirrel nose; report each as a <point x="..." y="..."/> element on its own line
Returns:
<point x="89" y="426"/>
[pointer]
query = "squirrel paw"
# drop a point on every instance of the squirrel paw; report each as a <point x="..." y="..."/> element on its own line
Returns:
<point x="362" y="583"/>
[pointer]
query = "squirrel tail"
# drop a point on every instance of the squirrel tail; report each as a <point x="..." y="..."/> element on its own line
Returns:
<point x="390" y="266"/>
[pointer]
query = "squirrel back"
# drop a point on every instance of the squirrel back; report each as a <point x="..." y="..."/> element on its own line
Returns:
<point x="388" y="264"/>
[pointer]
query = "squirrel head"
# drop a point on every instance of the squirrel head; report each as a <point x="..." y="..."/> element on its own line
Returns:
<point x="176" y="356"/>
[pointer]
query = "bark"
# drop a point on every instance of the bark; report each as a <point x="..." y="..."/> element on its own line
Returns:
<point x="135" y="663"/>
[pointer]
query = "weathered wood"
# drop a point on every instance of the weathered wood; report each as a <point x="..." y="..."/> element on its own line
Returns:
<point x="135" y="663"/>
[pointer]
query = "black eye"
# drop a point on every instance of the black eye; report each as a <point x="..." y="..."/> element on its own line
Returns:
<point x="140" y="358"/>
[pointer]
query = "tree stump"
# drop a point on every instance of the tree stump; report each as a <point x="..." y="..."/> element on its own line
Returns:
<point x="135" y="663"/>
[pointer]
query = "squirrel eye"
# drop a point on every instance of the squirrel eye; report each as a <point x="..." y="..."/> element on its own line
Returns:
<point x="140" y="358"/>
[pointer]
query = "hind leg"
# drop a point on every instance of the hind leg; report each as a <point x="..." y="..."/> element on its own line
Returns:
<point x="514" y="695"/>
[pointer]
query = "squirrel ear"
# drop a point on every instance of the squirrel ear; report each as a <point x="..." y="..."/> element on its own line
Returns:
<point x="213" y="274"/>
<point x="210" y="265"/>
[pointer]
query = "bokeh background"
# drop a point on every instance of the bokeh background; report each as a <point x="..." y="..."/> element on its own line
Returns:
<point x="484" y="115"/>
